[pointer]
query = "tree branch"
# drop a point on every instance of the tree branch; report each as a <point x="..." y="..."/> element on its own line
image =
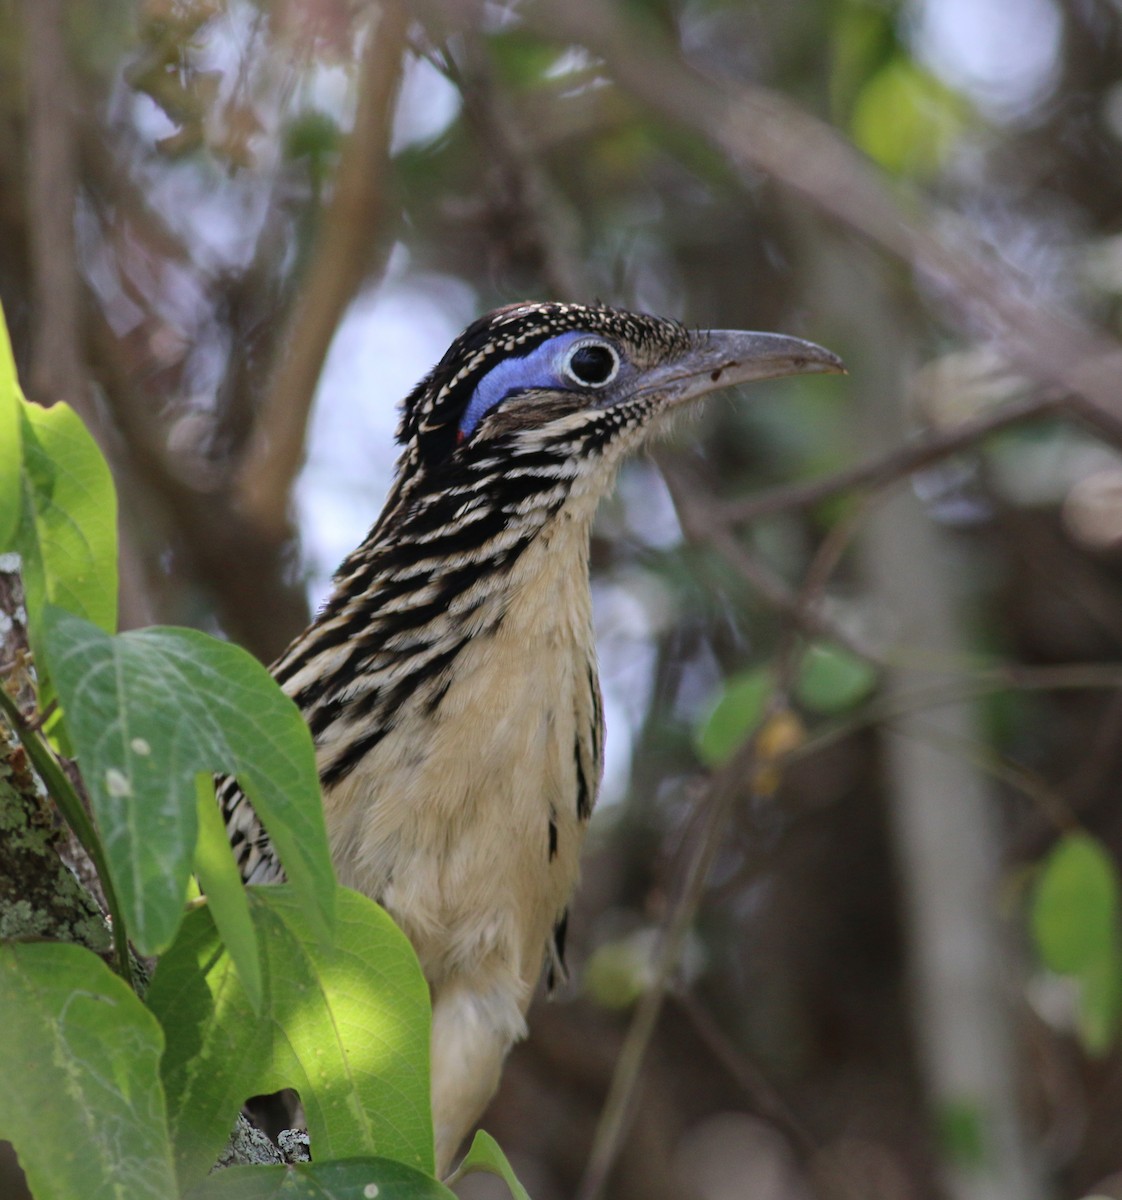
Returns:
<point x="883" y="470"/>
<point x="56" y="366"/>
<point x="342" y="261"/>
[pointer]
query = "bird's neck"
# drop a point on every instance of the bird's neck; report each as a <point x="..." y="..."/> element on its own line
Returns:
<point x="439" y="575"/>
<point x="467" y="554"/>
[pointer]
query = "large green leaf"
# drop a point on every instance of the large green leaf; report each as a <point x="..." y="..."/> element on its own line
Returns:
<point x="346" y="1024"/>
<point x="10" y="442"/>
<point x="68" y="529"/>
<point x="344" y="1179"/>
<point x="81" y="1099"/>
<point x="146" y="712"/>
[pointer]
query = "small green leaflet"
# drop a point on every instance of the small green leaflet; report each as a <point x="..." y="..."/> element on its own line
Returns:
<point x="486" y="1155"/>
<point x="738" y="711"/>
<point x="82" y="1101"/>
<point x="1074" y="919"/>
<point x="907" y="120"/>
<point x="961" y="1129"/>
<point x="148" y="711"/>
<point x="346" y="1024"/>
<point x="830" y="681"/>
<point x="1075" y="906"/>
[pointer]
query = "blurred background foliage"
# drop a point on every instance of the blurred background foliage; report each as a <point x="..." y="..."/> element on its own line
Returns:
<point x="903" y="976"/>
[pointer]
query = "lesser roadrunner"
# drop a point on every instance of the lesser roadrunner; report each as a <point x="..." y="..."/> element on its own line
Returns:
<point x="450" y="681"/>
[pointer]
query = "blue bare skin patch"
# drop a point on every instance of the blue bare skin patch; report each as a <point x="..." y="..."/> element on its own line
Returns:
<point x="541" y="368"/>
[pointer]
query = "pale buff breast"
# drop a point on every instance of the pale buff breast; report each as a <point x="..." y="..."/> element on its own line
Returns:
<point x="452" y="835"/>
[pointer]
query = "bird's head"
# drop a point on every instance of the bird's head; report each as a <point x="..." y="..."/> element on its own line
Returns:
<point x="554" y="383"/>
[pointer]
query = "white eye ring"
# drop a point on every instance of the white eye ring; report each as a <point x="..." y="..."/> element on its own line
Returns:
<point x="584" y="368"/>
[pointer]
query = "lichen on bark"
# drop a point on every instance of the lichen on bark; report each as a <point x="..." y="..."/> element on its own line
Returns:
<point x="41" y="895"/>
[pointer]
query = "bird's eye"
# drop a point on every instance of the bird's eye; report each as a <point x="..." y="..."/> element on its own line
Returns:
<point x="592" y="364"/>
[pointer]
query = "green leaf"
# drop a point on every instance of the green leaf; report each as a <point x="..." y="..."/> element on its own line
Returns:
<point x="832" y="680"/>
<point x="346" y="1025"/>
<point x="485" y="1154"/>
<point x="146" y="712"/>
<point x="521" y="59"/>
<point x="1075" y="905"/>
<point x="81" y="1100"/>
<point x="618" y="972"/>
<point x="344" y="1179"/>
<point x="1100" y="1003"/>
<point x="908" y="120"/>
<point x="315" y="137"/>
<point x="1074" y="920"/>
<point x="11" y="460"/>
<point x="862" y="39"/>
<point x="221" y="881"/>
<point x="68" y="529"/>
<point x="961" y="1128"/>
<point x="734" y="716"/>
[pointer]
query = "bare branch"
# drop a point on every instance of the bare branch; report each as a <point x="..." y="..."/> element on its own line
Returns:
<point x="724" y="789"/>
<point x="341" y="263"/>
<point x="227" y="555"/>
<point x="702" y="521"/>
<point x="56" y="366"/>
<point x="752" y="1081"/>
<point x="884" y="470"/>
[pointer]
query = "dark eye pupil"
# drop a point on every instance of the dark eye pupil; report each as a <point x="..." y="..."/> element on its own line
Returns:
<point x="592" y="364"/>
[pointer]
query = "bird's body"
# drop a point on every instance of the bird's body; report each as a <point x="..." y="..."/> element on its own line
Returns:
<point x="450" y="681"/>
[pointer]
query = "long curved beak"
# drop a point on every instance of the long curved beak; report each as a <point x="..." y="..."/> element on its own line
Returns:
<point x="723" y="358"/>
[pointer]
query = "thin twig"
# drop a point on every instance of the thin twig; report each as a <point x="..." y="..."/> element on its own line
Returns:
<point x="541" y="216"/>
<point x="822" y="566"/>
<point x="766" y="1098"/>
<point x="877" y="473"/>
<point x="965" y="685"/>
<point x="701" y="524"/>
<point x="987" y="761"/>
<point x="726" y="787"/>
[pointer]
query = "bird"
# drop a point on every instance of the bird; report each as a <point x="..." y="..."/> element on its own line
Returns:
<point x="450" y="679"/>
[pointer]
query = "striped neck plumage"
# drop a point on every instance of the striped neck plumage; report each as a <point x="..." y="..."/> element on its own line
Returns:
<point x="435" y="573"/>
